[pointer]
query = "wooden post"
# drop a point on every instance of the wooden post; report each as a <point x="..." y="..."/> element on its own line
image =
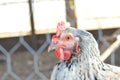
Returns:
<point x="71" y="17"/>
<point x="112" y="48"/>
<point x="33" y="36"/>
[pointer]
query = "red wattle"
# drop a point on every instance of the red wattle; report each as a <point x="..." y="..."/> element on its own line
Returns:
<point x="63" y="54"/>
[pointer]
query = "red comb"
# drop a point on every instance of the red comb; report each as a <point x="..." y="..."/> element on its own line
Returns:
<point x="60" y="28"/>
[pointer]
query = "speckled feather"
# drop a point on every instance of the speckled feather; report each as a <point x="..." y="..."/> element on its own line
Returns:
<point x="86" y="65"/>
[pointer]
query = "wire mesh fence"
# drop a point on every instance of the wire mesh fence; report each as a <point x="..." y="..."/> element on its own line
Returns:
<point x="35" y="53"/>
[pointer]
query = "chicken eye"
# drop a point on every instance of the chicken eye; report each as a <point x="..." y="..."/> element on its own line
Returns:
<point x="68" y="38"/>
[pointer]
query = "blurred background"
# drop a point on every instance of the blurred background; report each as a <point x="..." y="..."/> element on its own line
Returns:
<point x="26" y="27"/>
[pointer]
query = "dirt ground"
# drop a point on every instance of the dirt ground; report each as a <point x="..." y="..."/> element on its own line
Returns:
<point x="22" y="61"/>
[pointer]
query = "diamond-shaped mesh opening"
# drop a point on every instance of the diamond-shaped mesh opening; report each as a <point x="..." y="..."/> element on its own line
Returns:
<point x="47" y="62"/>
<point x="22" y="63"/>
<point x="41" y="39"/>
<point x="2" y="64"/>
<point x="8" y="77"/>
<point x="8" y="43"/>
<point x="29" y="39"/>
<point x="38" y="41"/>
<point x="36" y="78"/>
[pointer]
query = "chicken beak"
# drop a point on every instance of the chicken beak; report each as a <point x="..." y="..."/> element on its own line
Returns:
<point x="52" y="47"/>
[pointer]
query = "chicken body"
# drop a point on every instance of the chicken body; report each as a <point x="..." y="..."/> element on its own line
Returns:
<point x="83" y="63"/>
<point x="74" y="70"/>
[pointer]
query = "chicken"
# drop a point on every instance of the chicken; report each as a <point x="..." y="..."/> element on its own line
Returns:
<point x="79" y="56"/>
